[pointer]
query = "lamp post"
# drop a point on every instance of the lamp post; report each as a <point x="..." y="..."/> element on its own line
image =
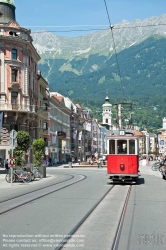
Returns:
<point x="64" y="151"/>
<point x="79" y="158"/>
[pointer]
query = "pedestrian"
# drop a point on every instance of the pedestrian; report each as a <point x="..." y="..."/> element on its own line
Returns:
<point x="50" y="161"/>
<point x="104" y="159"/>
<point x="99" y="163"/>
<point x="91" y="161"/>
<point x="47" y="163"/>
<point x="7" y="166"/>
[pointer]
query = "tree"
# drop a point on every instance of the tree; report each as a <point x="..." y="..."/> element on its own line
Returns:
<point x="23" y="140"/>
<point x="38" y="147"/>
<point x="23" y="143"/>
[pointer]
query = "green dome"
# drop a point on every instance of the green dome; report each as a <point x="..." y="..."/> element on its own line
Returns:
<point x="107" y="104"/>
<point x="8" y="2"/>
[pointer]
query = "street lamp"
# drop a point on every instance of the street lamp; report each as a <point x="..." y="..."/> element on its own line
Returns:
<point x="79" y="149"/>
<point x="64" y="151"/>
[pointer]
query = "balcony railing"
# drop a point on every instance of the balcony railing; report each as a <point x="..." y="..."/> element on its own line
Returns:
<point x="19" y="107"/>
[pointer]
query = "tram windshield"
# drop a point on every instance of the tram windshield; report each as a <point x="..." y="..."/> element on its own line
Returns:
<point x="122" y="146"/>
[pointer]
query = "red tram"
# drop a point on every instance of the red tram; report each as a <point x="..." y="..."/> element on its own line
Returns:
<point x="123" y="156"/>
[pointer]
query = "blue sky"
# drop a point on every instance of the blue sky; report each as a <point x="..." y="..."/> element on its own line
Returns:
<point x="82" y="14"/>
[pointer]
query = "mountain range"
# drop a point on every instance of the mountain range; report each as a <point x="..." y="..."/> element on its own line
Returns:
<point x="127" y="61"/>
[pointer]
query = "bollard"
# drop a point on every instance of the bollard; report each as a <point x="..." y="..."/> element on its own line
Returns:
<point x="70" y="164"/>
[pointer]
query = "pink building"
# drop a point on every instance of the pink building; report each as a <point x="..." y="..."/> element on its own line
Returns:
<point x="18" y="77"/>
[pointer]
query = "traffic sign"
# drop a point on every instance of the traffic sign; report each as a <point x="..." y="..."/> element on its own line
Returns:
<point x="13" y="134"/>
<point x="13" y="142"/>
<point x="12" y="163"/>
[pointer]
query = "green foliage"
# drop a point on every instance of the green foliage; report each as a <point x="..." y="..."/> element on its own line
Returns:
<point x="23" y="140"/>
<point x="23" y="143"/>
<point x="38" y="147"/>
<point x="18" y="155"/>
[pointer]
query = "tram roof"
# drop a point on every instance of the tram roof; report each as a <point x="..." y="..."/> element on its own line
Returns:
<point x="122" y="137"/>
<point x="123" y="134"/>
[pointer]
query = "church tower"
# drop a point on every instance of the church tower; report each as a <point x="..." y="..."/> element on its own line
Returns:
<point x="7" y="11"/>
<point x="107" y="112"/>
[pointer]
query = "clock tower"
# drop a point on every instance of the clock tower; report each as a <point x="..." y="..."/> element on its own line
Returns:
<point x="107" y="112"/>
<point x="7" y="11"/>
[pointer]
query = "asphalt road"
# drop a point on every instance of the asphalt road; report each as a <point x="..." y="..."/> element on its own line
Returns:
<point x="43" y="223"/>
<point x="55" y="214"/>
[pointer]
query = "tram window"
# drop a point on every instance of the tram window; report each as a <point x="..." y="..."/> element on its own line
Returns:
<point x="122" y="146"/>
<point x="112" y="147"/>
<point x="131" y="147"/>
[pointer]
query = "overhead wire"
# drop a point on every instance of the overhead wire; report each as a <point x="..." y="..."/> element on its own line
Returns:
<point x="111" y="27"/>
<point x="83" y="30"/>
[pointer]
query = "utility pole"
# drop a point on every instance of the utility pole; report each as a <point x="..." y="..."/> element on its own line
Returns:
<point x="120" y="116"/>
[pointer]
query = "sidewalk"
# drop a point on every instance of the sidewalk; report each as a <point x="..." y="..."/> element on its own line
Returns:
<point x="4" y="185"/>
<point x="146" y="169"/>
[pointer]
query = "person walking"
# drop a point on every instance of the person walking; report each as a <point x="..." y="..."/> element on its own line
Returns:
<point x="104" y="159"/>
<point x="7" y="165"/>
<point x="99" y="163"/>
<point x="50" y="161"/>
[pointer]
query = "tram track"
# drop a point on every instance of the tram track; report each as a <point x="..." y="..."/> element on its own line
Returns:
<point x="121" y="220"/>
<point x="117" y="232"/>
<point x="21" y="200"/>
<point x="37" y="189"/>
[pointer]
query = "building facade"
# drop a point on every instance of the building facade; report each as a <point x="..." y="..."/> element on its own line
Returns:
<point x="18" y="78"/>
<point x="58" y="129"/>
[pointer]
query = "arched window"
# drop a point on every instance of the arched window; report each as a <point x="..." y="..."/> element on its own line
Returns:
<point x="14" y="54"/>
<point x="106" y="120"/>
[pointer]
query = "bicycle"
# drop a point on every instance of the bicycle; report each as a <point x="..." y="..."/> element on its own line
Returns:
<point x="36" y="174"/>
<point x="23" y="177"/>
<point x="158" y="166"/>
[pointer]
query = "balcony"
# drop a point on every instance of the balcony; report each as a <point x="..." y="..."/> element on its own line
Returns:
<point x="15" y="107"/>
<point x="18" y="107"/>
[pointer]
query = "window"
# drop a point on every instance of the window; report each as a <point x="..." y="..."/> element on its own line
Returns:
<point x="45" y="125"/>
<point x="14" y="96"/>
<point x="11" y="33"/>
<point x="111" y="147"/>
<point x="14" y="54"/>
<point x="44" y="106"/>
<point x="122" y="146"/>
<point x="131" y="146"/>
<point x="14" y="75"/>
<point x="106" y="121"/>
